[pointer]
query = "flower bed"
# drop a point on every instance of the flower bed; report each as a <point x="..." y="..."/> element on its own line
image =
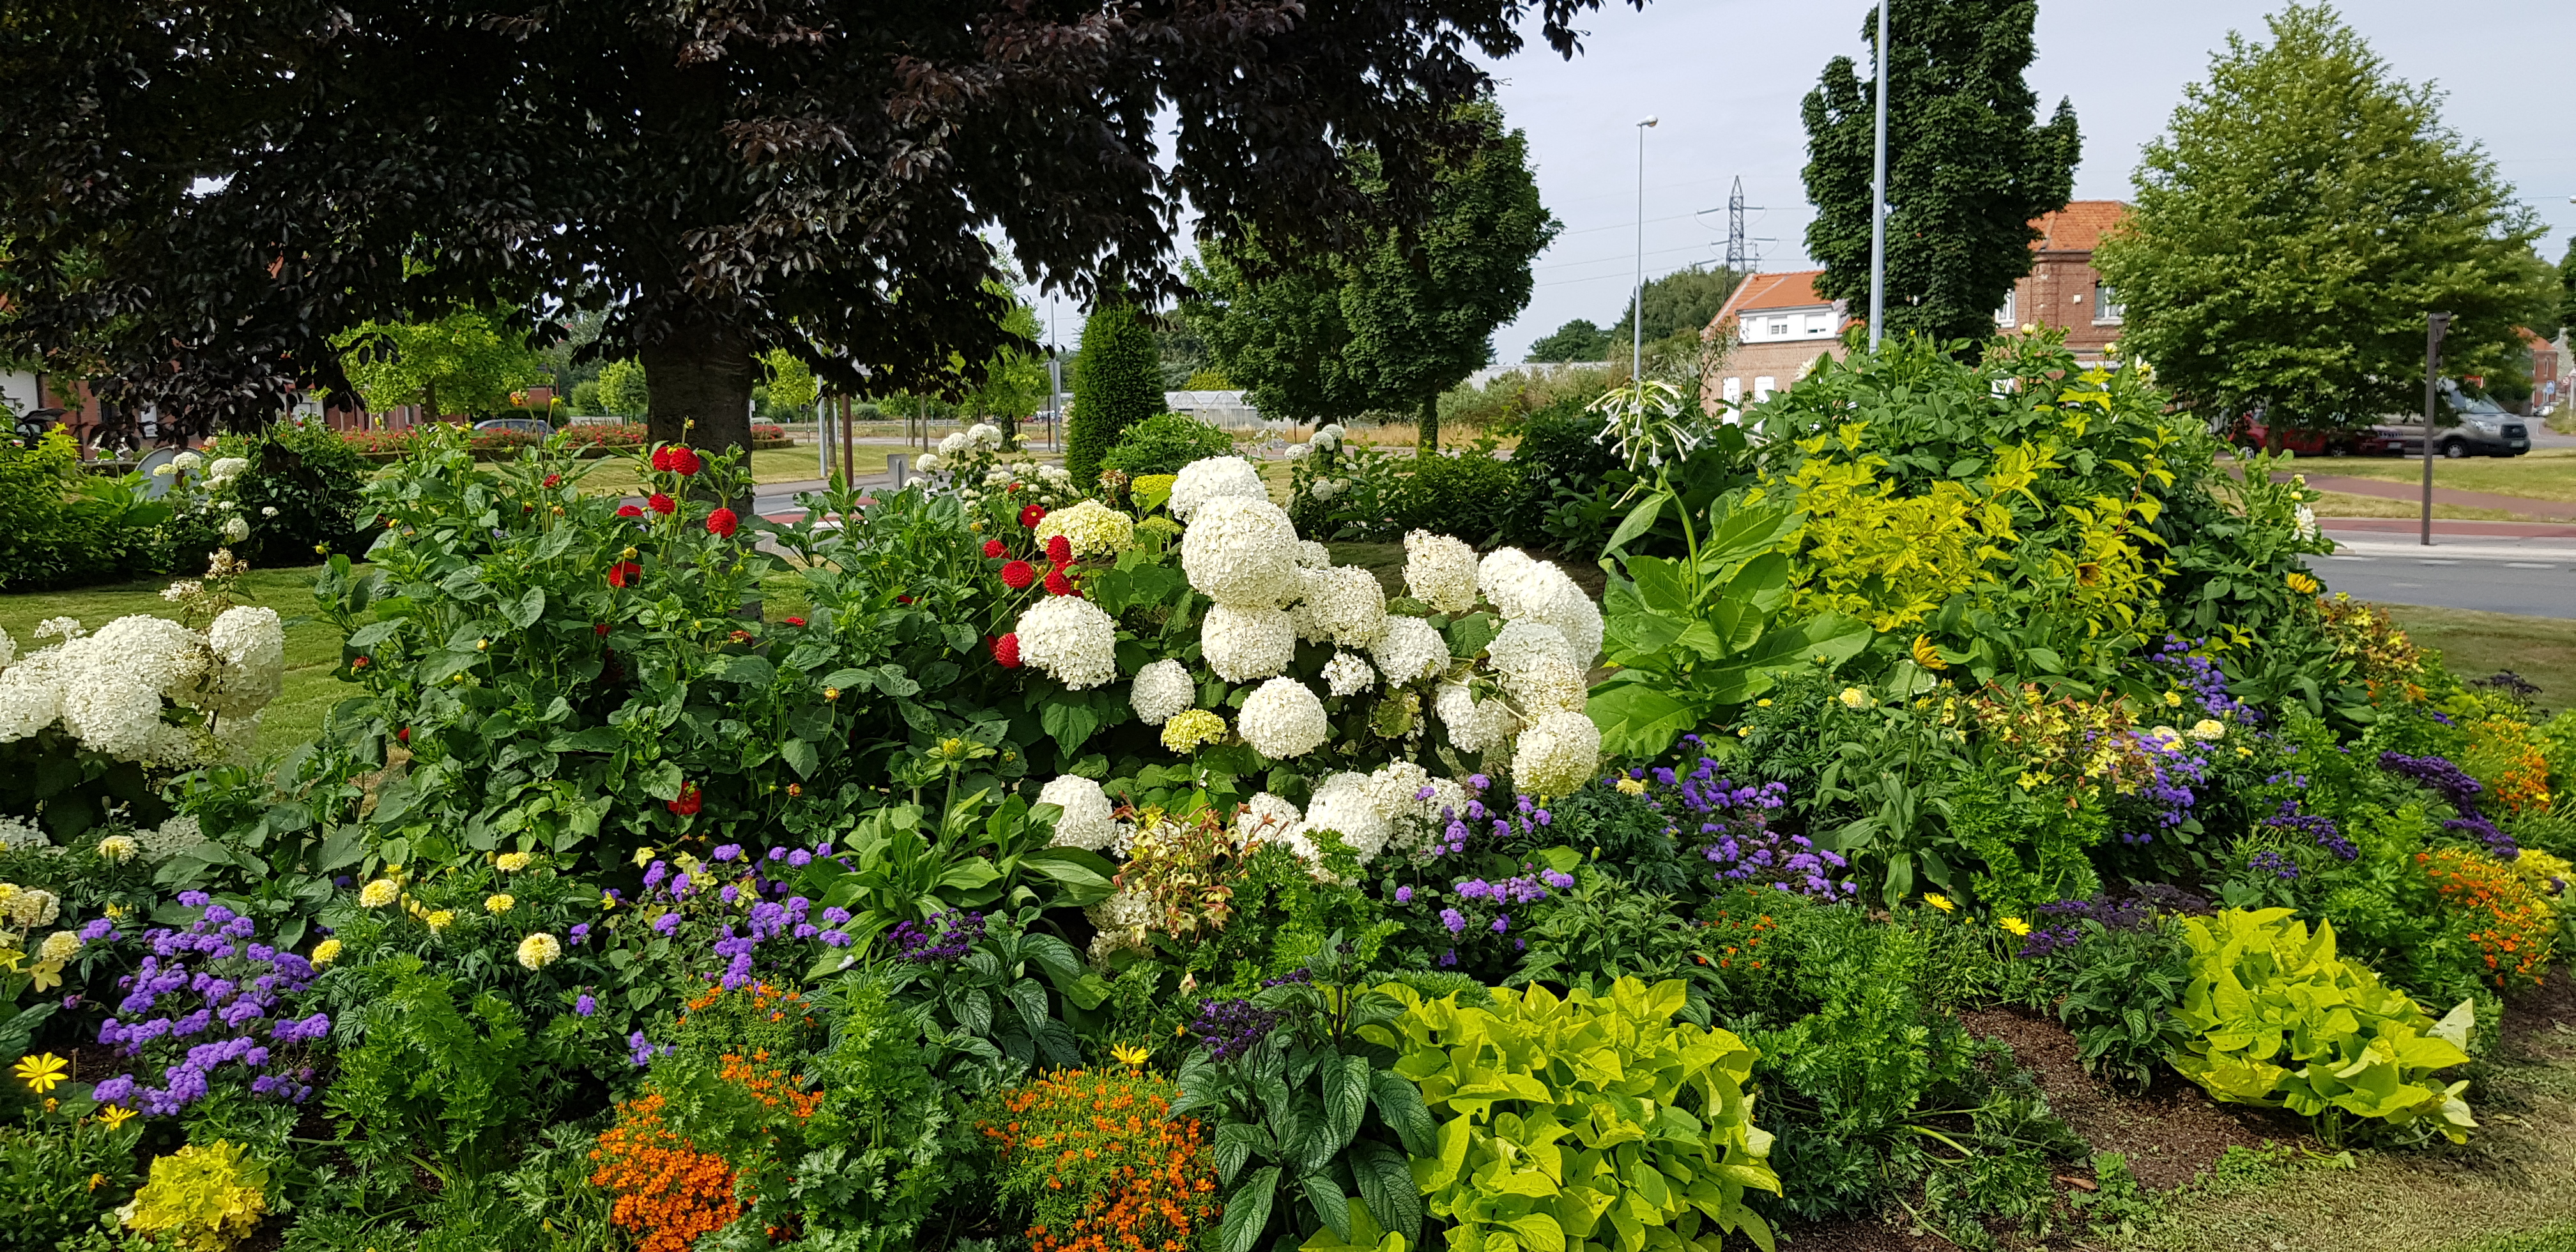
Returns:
<point x="987" y="862"/>
<point x="587" y="441"/>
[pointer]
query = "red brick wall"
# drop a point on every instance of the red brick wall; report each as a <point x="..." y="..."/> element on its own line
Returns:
<point x="2060" y="292"/>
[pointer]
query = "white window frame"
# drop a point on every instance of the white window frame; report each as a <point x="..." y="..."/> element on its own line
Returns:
<point x="2107" y="308"/>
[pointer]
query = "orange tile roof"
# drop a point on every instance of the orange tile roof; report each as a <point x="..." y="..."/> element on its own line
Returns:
<point x="2078" y="226"/>
<point x="1793" y="290"/>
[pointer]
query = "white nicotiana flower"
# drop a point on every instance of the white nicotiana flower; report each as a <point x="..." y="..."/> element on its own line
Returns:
<point x="1245" y="644"/>
<point x="1162" y="691"/>
<point x="1474" y="725"/>
<point x="1347" y="675"/>
<point x="1090" y="527"/>
<point x="1282" y="719"/>
<point x="225" y="469"/>
<point x="1313" y="555"/>
<point x="1210" y="477"/>
<point x="1070" y="640"/>
<point x="1266" y="818"/>
<point x="1345" y="605"/>
<point x="1440" y="571"/>
<point x="1241" y="551"/>
<point x="1556" y="755"/>
<point x="1410" y="650"/>
<point x="1086" y="822"/>
<point x="250" y="648"/>
<point x="1342" y="805"/>
<point x="16" y="835"/>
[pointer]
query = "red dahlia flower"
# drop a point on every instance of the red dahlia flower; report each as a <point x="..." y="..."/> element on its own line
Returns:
<point x="629" y="510"/>
<point x="793" y="621"/>
<point x="993" y="549"/>
<point x="1032" y="515"/>
<point x="661" y="458"/>
<point x="600" y="629"/>
<point x="662" y="504"/>
<point x="1057" y="584"/>
<point x="689" y="802"/>
<point x="554" y="480"/>
<point x="1060" y="550"/>
<point x="1018" y="575"/>
<point x="1006" y="651"/>
<point x="684" y="461"/>
<point x="722" y="522"/>
<point x="625" y="574"/>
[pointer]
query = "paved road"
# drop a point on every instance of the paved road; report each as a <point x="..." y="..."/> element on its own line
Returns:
<point x="2532" y="577"/>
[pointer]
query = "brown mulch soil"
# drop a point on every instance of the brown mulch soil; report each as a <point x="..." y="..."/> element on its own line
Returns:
<point x="2533" y="1022"/>
<point x="2170" y="1134"/>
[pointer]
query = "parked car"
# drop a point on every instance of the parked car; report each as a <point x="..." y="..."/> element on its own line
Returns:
<point x="537" y="426"/>
<point x="2254" y="433"/>
<point x="2486" y="429"/>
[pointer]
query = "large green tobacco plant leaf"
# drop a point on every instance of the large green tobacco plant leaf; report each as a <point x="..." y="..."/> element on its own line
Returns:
<point x="1581" y="1124"/>
<point x="1693" y="636"/>
<point x="2282" y="1022"/>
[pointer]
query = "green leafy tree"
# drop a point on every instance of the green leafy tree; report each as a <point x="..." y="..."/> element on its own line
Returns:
<point x="1117" y="382"/>
<point x="469" y="360"/>
<point x="1679" y="305"/>
<point x="1969" y="164"/>
<point x="2298" y="219"/>
<point x="1577" y="340"/>
<point x="1013" y="382"/>
<point x="1405" y="314"/>
<point x="622" y="389"/>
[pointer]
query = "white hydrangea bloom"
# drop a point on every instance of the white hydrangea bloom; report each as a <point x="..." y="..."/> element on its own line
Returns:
<point x="1211" y="477"/>
<point x="226" y="468"/>
<point x="250" y="646"/>
<point x="114" y="682"/>
<point x="1342" y="805"/>
<point x="8" y="649"/>
<point x="181" y="831"/>
<point x="1092" y="528"/>
<point x="1242" y="644"/>
<point x="1474" y="725"/>
<point x="927" y="463"/>
<point x="1347" y="675"/>
<point x="1409" y="650"/>
<point x="1330" y="437"/>
<point x="1121" y="922"/>
<point x="1414" y="820"/>
<point x="1299" y="451"/>
<point x="1440" y="571"/>
<point x="187" y="461"/>
<point x="68" y="628"/>
<point x="1345" y="605"/>
<point x="1283" y="719"/>
<point x="16" y="834"/>
<point x="31" y="694"/>
<point x="1547" y="685"/>
<point x="1576" y="617"/>
<point x="1070" y="640"/>
<point x="1086" y="822"/>
<point x="1162" y="691"/>
<point x="1270" y="819"/>
<point x="1241" y="551"/>
<point x="236" y="529"/>
<point x="1526" y="643"/>
<point x="986" y="434"/>
<point x="1557" y="755"/>
<point x="1520" y="587"/>
<point x="1313" y="555"/>
<point x="953" y="443"/>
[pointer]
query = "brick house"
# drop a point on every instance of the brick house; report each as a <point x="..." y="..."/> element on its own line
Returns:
<point x="2063" y="290"/>
<point x="2548" y="382"/>
<point x="1778" y="328"/>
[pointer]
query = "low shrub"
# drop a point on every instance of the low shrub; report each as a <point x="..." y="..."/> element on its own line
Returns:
<point x="301" y="493"/>
<point x="1468" y="493"/>
<point x="1163" y="443"/>
<point x="2280" y="1021"/>
<point x="1099" y="1165"/>
<point x="1567" y="497"/>
<point x="60" y="527"/>
<point x="201" y="1198"/>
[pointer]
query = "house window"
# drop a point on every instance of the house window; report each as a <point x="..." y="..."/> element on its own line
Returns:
<point x="2009" y="316"/>
<point x="1733" y="390"/>
<point x="1763" y="387"/>
<point x="2107" y="309"/>
<point x="1816" y="324"/>
<point x="1780" y="329"/>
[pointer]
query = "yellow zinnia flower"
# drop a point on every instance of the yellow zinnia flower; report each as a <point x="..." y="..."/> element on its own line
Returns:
<point x="513" y="862"/>
<point x="381" y="892"/>
<point x="498" y="902"/>
<point x="326" y="951"/>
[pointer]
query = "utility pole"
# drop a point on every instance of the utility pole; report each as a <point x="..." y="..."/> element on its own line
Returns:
<point x="1637" y="297"/>
<point x="1878" y="200"/>
<point x="2436" y="325"/>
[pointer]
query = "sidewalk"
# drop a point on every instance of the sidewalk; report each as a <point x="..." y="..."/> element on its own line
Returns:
<point x="2399" y="537"/>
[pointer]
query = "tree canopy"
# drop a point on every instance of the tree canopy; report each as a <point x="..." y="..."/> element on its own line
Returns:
<point x="1679" y="305"/>
<point x="468" y="361"/>
<point x="1577" y="340"/>
<point x="203" y="195"/>
<point x="1117" y="382"/>
<point x="1969" y="164"/>
<point x="1399" y="318"/>
<point x="2297" y="220"/>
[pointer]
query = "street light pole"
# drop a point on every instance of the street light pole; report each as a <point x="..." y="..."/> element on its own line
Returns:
<point x="2436" y="325"/>
<point x="1637" y="296"/>
<point x="1878" y="200"/>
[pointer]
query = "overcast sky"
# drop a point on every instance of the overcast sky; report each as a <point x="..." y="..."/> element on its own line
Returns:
<point x="1725" y="78"/>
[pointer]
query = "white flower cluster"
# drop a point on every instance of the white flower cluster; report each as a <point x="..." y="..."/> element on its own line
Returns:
<point x="1069" y="639"/>
<point x="1440" y="571"/>
<point x="1519" y="587"/>
<point x="16" y="835"/>
<point x="1282" y="718"/>
<point x="1241" y="551"/>
<point x="1087" y="822"/>
<point x="1347" y="675"/>
<point x="1211" y="477"/>
<point x="1410" y="650"/>
<point x="1344" y="605"/>
<point x="1266" y="818"/>
<point x="180" y="832"/>
<point x="1091" y="528"/>
<point x="1371" y="814"/>
<point x="1242" y="644"/>
<point x="1557" y="755"/>
<point x="1162" y="691"/>
<point x="109" y="689"/>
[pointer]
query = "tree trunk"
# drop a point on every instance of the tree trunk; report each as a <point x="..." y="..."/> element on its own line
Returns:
<point x="700" y="377"/>
<point x="1427" y="440"/>
<point x="429" y="401"/>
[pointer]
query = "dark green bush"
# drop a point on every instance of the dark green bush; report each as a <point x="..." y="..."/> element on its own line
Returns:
<point x="313" y="478"/>
<point x="1564" y="494"/>
<point x="60" y="527"/>
<point x="1468" y="495"/>
<point x="1165" y="442"/>
<point x="1117" y="382"/>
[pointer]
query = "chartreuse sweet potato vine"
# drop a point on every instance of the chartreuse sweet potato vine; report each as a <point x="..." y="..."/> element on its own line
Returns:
<point x="2282" y="1022"/>
<point x="1582" y="1124"/>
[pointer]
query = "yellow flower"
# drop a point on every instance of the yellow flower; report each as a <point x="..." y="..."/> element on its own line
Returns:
<point x="2208" y="728"/>
<point x="115" y="1116"/>
<point x="326" y="951"/>
<point x="1938" y="901"/>
<point x="2302" y="584"/>
<point x="41" y="1073"/>
<point x="2014" y="924"/>
<point x="2173" y="699"/>
<point x="381" y="892"/>
<point x="513" y="862"/>
<point x="441" y="919"/>
<point x="607" y="901"/>
<point x="831" y="693"/>
<point x="498" y="902"/>
<point x="1926" y="655"/>
<point x="1743" y="732"/>
<point x="1180" y="1030"/>
<point x="539" y="950"/>
<point x="1632" y="786"/>
<point x="1854" y="697"/>
<point x="1189" y="730"/>
<point x="1763" y="703"/>
<point x="118" y="848"/>
<point x="1129" y="1054"/>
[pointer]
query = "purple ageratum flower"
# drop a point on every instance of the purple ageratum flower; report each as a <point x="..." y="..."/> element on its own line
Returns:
<point x="666" y="923"/>
<point x="835" y="939"/>
<point x="639" y="1051"/>
<point x="800" y="858"/>
<point x="1502" y="923"/>
<point x="729" y="894"/>
<point x="195" y="899"/>
<point x="1404" y="895"/>
<point x="728" y="852"/>
<point x="656" y="874"/>
<point x="97" y="928"/>
<point x="579" y="932"/>
<point x="1454" y="920"/>
<point x="835" y="915"/>
<point x="1558" y="879"/>
<point x="775" y="854"/>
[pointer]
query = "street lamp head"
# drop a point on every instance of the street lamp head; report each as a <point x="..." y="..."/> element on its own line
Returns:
<point x="1648" y="122"/>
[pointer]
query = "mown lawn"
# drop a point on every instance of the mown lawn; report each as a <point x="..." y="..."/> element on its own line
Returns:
<point x="2547" y="474"/>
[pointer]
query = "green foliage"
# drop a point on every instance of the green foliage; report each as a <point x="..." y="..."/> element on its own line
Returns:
<point x="59" y="1173"/>
<point x="304" y="490"/>
<point x="2297" y="221"/>
<point x="1577" y="340"/>
<point x="1586" y="1122"/>
<point x="442" y="1080"/>
<point x="1163" y="443"/>
<point x="1567" y="497"/>
<point x="622" y="389"/>
<point x="1116" y="384"/>
<point x="2120" y="989"/>
<point x="468" y="361"/>
<point x="1969" y="164"/>
<point x="60" y="527"/>
<point x="205" y="1197"/>
<point x="887" y="1145"/>
<point x="1603" y="930"/>
<point x="2281" y="1022"/>
<point x="792" y="386"/>
<point x="1679" y="305"/>
<point x="1467" y="493"/>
